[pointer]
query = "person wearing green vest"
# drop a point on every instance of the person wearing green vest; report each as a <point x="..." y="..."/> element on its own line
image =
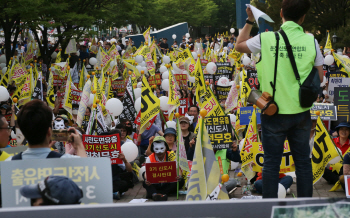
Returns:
<point x="292" y="121"/>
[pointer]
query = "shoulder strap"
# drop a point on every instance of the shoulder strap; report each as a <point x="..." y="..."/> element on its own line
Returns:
<point x="54" y="154"/>
<point x="291" y="55"/>
<point x="276" y="62"/>
<point x="17" y="156"/>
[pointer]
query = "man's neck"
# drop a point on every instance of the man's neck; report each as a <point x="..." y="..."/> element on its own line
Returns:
<point x="43" y="145"/>
<point x="342" y="140"/>
<point x="195" y="119"/>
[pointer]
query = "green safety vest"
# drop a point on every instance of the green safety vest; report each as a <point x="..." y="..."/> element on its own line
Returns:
<point x="287" y="88"/>
<point x="225" y="162"/>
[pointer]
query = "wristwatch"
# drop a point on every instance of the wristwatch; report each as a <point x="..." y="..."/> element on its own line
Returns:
<point x="249" y="22"/>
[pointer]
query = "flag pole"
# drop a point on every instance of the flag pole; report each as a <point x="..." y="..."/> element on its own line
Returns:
<point x="177" y="154"/>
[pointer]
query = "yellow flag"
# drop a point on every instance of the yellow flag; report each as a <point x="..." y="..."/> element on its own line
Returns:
<point x="131" y="67"/>
<point x="83" y="77"/>
<point x="336" y="187"/>
<point x="245" y="89"/>
<point x="328" y="46"/>
<point x="26" y="91"/>
<point x="200" y="82"/>
<point x="150" y="105"/>
<point x="58" y="57"/>
<point x="147" y="35"/>
<point x="174" y="100"/>
<point x="205" y="173"/>
<point x="67" y="102"/>
<point x="246" y="153"/>
<point x="343" y="63"/>
<point x="322" y="152"/>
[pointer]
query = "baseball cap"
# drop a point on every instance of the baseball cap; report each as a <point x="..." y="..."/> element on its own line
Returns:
<point x="5" y="106"/>
<point x="170" y="131"/>
<point x="184" y="119"/>
<point x="126" y="40"/>
<point x="55" y="189"/>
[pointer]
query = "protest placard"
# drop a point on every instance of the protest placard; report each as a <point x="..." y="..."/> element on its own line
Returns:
<point x="183" y="106"/>
<point x="220" y="131"/>
<point x="163" y="172"/>
<point x="221" y="92"/>
<point x="336" y="82"/>
<point x="246" y="115"/>
<point x="327" y="111"/>
<point x="287" y="163"/>
<point x="223" y="68"/>
<point x="103" y="146"/>
<point x="342" y="102"/>
<point x="119" y="86"/>
<point x="209" y="78"/>
<point x="155" y="80"/>
<point x="181" y="79"/>
<point x="76" y="96"/>
<point x="93" y="176"/>
<point x="252" y="76"/>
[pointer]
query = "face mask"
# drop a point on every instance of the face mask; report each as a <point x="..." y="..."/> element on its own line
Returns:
<point x="59" y="124"/>
<point x="158" y="147"/>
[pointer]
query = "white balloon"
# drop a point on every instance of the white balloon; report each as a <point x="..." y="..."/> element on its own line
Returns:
<point x="281" y="191"/>
<point x="4" y="70"/>
<point x="170" y="124"/>
<point x="89" y="44"/>
<point x="225" y="48"/>
<point x="77" y="53"/>
<point x="166" y="59"/>
<point x="232" y="30"/>
<point x="336" y="159"/>
<point x="54" y="55"/>
<point x="2" y="65"/>
<point x="93" y="61"/>
<point x="130" y="151"/>
<point x="246" y="61"/>
<point x="114" y="106"/>
<point x="123" y="52"/>
<point x="141" y="171"/>
<point x="211" y="67"/>
<point x="329" y="60"/>
<point x="3" y="59"/>
<point x="139" y="85"/>
<point x="144" y="69"/>
<point x="138" y="67"/>
<point x="113" y="40"/>
<point x="162" y="69"/>
<point x="173" y="36"/>
<point x="137" y="93"/>
<point x="231" y="83"/>
<point x="143" y="64"/>
<point x="234" y="165"/>
<point x="93" y="48"/>
<point x="4" y="94"/>
<point x="165" y="85"/>
<point x="91" y="99"/>
<point x="112" y="63"/>
<point x="164" y="103"/>
<point x="194" y="54"/>
<point x="187" y="35"/>
<point x="165" y="75"/>
<point x="139" y="59"/>
<point x="192" y="79"/>
<point x="223" y="81"/>
<point x="138" y="104"/>
<point x="339" y="53"/>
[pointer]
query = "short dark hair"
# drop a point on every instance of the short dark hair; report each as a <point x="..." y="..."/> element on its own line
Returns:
<point x="34" y="120"/>
<point x="293" y="10"/>
<point x="88" y="108"/>
<point x="195" y="107"/>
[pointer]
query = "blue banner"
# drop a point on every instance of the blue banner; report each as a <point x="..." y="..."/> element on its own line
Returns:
<point x="246" y="115"/>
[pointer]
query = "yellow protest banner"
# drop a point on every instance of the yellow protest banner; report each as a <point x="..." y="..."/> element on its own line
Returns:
<point x="323" y="151"/>
<point x="343" y="63"/>
<point x="150" y="105"/>
<point x="200" y="82"/>
<point x="251" y="136"/>
<point x="174" y="99"/>
<point x="287" y="163"/>
<point x="328" y="46"/>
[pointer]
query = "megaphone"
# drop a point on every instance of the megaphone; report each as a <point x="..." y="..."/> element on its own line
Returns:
<point x="263" y="101"/>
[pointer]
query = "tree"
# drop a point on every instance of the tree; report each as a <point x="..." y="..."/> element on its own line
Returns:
<point x="226" y="15"/>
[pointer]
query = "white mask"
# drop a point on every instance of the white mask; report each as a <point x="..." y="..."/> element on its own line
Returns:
<point x="59" y="124"/>
<point x="158" y="147"/>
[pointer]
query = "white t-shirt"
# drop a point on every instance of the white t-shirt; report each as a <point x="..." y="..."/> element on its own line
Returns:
<point x="254" y="46"/>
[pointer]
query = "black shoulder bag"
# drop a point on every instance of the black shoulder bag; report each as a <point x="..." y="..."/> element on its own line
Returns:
<point x="309" y="90"/>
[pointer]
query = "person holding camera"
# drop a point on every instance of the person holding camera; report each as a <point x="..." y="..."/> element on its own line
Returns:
<point x="289" y="59"/>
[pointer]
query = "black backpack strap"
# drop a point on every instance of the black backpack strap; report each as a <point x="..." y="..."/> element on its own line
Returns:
<point x="290" y="54"/>
<point x="276" y="62"/>
<point x="17" y="156"/>
<point x="54" y="154"/>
